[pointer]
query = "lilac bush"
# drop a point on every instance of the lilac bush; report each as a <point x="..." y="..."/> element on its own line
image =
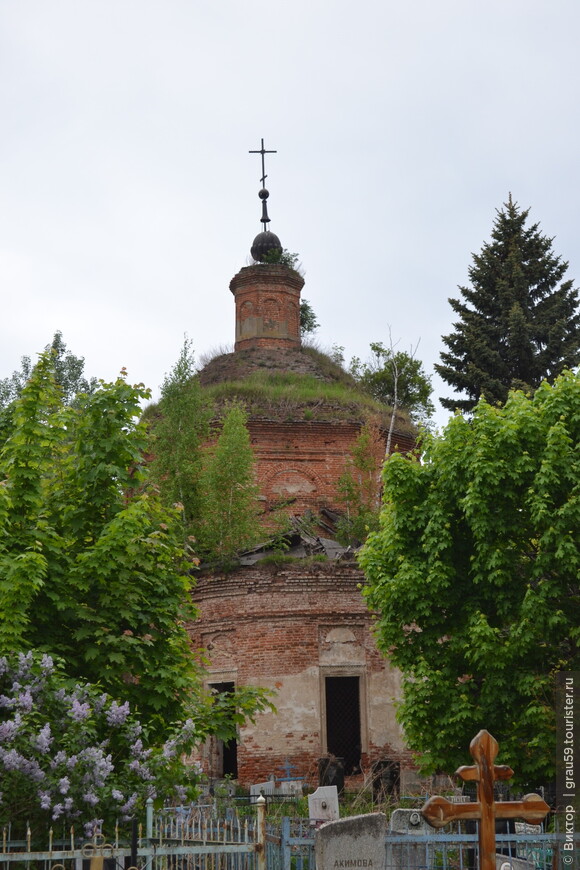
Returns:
<point x="71" y="754"/>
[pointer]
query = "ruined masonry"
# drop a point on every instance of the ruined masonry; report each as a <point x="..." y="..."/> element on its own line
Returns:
<point x="303" y="631"/>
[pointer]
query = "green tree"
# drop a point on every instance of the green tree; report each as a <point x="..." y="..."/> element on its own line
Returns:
<point x="397" y="379"/>
<point x="519" y="322"/>
<point x="231" y="513"/>
<point x="68" y="371"/>
<point x="180" y="427"/>
<point x="474" y="574"/>
<point x="308" y="321"/>
<point x="359" y="486"/>
<point x="88" y="572"/>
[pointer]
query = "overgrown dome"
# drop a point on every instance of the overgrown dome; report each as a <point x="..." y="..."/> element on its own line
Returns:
<point x="263" y="244"/>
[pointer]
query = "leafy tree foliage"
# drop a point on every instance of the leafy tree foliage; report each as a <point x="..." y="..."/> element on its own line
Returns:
<point x="397" y="379"/>
<point x="474" y="574"/>
<point x="519" y="322"/>
<point x="308" y="321"/>
<point x="358" y="486"/>
<point x="179" y="430"/>
<point x="87" y="572"/>
<point x="68" y="371"/>
<point x="231" y="515"/>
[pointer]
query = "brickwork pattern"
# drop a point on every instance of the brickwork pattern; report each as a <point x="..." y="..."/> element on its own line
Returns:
<point x="285" y="628"/>
<point x="301" y="462"/>
<point x="267" y="307"/>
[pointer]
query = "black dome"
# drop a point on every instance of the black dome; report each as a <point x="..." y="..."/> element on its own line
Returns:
<point x="263" y="244"/>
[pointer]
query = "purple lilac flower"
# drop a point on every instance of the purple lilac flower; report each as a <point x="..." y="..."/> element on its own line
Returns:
<point x="44" y="739"/>
<point x="3" y="665"/>
<point x="6" y="702"/>
<point x="180" y="793"/>
<point x="117" y="713"/>
<point x="79" y="711"/>
<point x="100" y="703"/>
<point x="45" y="800"/>
<point x="64" y="785"/>
<point x="117" y="795"/>
<point x="128" y="808"/>
<point x="93" y="828"/>
<point x="25" y="661"/>
<point x="47" y="664"/>
<point x="25" y="700"/>
<point x="68" y="804"/>
<point x="169" y="749"/>
<point x="58" y="759"/>
<point x="101" y="765"/>
<point x="10" y="728"/>
<point x="57" y="811"/>
<point x="72" y="762"/>
<point x="140" y="769"/>
<point x="13" y="760"/>
<point x="90" y="798"/>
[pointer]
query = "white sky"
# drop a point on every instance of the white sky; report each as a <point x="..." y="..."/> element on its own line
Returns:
<point x="129" y="200"/>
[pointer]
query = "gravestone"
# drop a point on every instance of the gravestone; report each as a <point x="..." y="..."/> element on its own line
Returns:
<point x="323" y="804"/>
<point x="386" y="776"/>
<point x="408" y="822"/>
<point x="411" y="855"/>
<point x="331" y="772"/>
<point x="356" y="843"/>
<point x="262" y="788"/>
<point x="272" y="788"/>
<point x="505" y="862"/>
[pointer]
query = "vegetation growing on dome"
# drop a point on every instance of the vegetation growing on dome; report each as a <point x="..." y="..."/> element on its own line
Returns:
<point x="283" y="258"/>
<point x="285" y="396"/>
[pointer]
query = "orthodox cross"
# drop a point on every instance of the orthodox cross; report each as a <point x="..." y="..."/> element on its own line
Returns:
<point x="287" y="768"/>
<point x="439" y="812"/>
<point x="263" y="151"/>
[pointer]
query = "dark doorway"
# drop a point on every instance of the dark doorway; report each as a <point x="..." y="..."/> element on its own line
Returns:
<point x="229" y="750"/>
<point x="343" y="737"/>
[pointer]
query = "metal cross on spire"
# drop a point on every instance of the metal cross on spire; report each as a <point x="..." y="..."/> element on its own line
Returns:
<point x="263" y="151"/>
<point x="263" y="193"/>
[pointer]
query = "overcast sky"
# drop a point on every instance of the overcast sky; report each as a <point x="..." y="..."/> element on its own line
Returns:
<point x="129" y="200"/>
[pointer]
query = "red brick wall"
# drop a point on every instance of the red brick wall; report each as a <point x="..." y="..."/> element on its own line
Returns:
<point x="302" y="461"/>
<point x="270" y="627"/>
<point x="267" y="306"/>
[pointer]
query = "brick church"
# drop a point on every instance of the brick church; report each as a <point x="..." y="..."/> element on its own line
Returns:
<point x="300" y="627"/>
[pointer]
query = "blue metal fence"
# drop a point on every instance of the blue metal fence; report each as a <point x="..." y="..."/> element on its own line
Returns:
<point x="196" y="841"/>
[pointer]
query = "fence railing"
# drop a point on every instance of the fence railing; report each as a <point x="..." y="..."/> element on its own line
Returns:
<point x="193" y="840"/>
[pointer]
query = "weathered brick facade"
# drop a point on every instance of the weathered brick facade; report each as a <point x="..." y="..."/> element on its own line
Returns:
<point x="289" y="629"/>
<point x="302" y="630"/>
<point x="267" y="306"/>
<point x="301" y="462"/>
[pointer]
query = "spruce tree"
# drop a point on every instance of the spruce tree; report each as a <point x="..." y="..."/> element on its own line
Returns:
<point x="519" y="323"/>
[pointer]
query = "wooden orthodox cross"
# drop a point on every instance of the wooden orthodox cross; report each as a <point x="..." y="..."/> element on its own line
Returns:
<point x="439" y="811"/>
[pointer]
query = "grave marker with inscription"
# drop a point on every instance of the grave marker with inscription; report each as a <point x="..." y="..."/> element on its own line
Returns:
<point x="356" y="843"/>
